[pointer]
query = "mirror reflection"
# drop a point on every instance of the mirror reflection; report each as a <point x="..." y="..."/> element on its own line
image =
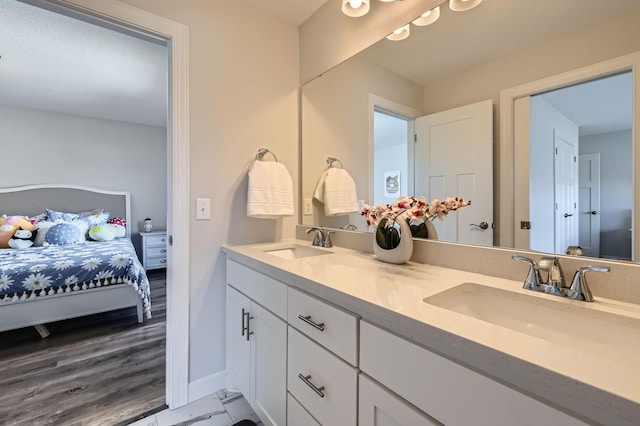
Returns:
<point x="367" y="111"/>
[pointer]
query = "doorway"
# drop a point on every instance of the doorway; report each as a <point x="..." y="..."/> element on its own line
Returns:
<point x="130" y="19"/>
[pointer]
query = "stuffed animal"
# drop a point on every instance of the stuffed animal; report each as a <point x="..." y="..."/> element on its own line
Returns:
<point x="120" y="225"/>
<point x="22" y="238"/>
<point x="9" y="225"/>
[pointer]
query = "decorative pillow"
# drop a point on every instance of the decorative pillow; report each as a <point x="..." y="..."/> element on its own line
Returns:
<point x="120" y="225"/>
<point x="106" y="232"/>
<point x="63" y="233"/>
<point x="54" y="215"/>
<point x="95" y="219"/>
<point x="44" y="226"/>
<point x="9" y="225"/>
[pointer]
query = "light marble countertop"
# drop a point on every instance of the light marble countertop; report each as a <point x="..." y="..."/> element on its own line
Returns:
<point x="603" y="386"/>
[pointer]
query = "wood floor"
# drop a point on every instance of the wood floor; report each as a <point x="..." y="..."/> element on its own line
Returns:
<point x="104" y="369"/>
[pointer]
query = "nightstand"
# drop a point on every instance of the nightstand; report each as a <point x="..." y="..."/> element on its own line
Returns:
<point x="154" y="249"/>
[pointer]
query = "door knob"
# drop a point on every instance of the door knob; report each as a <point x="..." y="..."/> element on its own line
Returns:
<point x="481" y="225"/>
<point x="593" y="212"/>
<point x="568" y="215"/>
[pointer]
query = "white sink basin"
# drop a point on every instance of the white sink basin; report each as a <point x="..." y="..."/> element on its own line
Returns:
<point x="296" y="251"/>
<point x="558" y="321"/>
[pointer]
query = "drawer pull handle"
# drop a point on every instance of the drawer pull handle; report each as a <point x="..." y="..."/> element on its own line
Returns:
<point x="307" y="380"/>
<point x="163" y="261"/>
<point x="308" y="320"/>
<point x="163" y="251"/>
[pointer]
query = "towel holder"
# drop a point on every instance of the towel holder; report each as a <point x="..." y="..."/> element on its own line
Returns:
<point x="331" y="160"/>
<point x="264" y="151"/>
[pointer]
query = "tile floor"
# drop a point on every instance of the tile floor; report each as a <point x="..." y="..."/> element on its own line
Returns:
<point x="224" y="408"/>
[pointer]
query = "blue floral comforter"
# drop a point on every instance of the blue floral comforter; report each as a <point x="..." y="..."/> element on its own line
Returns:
<point x="42" y="271"/>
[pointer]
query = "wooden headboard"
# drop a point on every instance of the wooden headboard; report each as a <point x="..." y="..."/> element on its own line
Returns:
<point x="32" y="200"/>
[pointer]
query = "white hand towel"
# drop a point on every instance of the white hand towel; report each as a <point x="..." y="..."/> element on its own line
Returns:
<point x="337" y="190"/>
<point x="270" y="191"/>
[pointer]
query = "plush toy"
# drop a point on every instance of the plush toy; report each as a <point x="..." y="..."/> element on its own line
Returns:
<point x="106" y="232"/>
<point x="22" y="238"/>
<point x="9" y="225"/>
<point x="120" y="225"/>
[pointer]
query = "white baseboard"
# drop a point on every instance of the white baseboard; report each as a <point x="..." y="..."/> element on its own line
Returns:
<point x="207" y="385"/>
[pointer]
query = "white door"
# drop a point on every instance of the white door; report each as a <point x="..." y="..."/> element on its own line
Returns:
<point x="269" y="366"/>
<point x="454" y="158"/>
<point x="565" y="193"/>
<point x="589" y="204"/>
<point x="238" y="348"/>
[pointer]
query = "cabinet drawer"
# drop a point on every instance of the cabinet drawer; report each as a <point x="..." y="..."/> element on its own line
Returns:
<point x="266" y="291"/>
<point x="159" y="251"/>
<point x="331" y="327"/>
<point x="156" y="240"/>
<point x="298" y="416"/>
<point x="440" y="387"/>
<point x="334" y="400"/>
<point x="156" y="262"/>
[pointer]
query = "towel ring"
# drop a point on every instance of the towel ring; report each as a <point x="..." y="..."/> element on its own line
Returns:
<point x="331" y="160"/>
<point x="264" y="151"/>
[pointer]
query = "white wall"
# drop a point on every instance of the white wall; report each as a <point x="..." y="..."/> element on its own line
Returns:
<point x="243" y="80"/>
<point x="616" y="190"/>
<point x="336" y="122"/>
<point x="47" y="147"/>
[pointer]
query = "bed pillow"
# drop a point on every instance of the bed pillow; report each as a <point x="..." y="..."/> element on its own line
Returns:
<point x="63" y="233"/>
<point x="55" y="215"/>
<point x="106" y="232"/>
<point x="44" y="226"/>
<point x="120" y="225"/>
<point x="95" y="219"/>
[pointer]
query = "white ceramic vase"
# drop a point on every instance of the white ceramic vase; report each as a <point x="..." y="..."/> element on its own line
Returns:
<point x="402" y="252"/>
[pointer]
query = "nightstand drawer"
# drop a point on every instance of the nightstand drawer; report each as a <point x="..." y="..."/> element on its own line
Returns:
<point x="160" y="251"/>
<point x="156" y="240"/>
<point x="156" y="262"/>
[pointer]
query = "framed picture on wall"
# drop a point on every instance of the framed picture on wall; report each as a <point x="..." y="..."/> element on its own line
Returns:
<point x="391" y="183"/>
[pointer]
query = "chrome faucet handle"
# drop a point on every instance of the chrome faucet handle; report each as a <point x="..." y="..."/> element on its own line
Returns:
<point x="555" y="283"/>
<point x="318" y="236"/>
<point x="533" y="280"/>
<point x="579" y="289"/>
<point x="327" y="239"/>
<point x="349" y="227"/>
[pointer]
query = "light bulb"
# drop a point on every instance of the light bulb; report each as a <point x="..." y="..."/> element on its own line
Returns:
<point x="355" y="8"/>
<point x="355" y="3"/>
<point x="462" y="5"/>
<point x="427" y="18"/>
<point x="399" y="34"/>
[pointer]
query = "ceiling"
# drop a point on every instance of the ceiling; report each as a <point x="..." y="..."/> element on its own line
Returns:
<point x="53" y="62"/>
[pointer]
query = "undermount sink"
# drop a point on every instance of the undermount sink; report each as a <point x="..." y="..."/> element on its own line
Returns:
<point x="605" y="333"/>
<point x="295" y="251"/>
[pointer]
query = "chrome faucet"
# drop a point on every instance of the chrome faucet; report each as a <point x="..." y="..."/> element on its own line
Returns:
<point x="547" y="276"/>
<point x="579" y="289"/>
<point x="318" y="236"/>
<point x="350" y="227"/>
<point x="552" y="276"/>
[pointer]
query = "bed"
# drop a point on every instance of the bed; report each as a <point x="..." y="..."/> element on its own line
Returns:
<point x="53" y="282"/>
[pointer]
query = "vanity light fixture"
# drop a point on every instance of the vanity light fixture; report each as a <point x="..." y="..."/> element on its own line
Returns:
<point x="400" y="34"/>
<point x="427" y="18"/>
<point x="462" y="5"/>
<point x="355" y="8"/>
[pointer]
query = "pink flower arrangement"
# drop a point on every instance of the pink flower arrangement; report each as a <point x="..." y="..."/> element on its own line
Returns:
<point x="414" y="209"/>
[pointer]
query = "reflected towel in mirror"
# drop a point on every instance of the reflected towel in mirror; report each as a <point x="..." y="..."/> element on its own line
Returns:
<point x="337" y="190"/>
<point x="270" y="191"/>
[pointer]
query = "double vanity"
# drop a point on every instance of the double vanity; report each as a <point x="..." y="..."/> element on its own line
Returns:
<point x="333" y="336"/>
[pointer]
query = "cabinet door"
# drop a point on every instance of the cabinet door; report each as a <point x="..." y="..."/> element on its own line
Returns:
<point x="268" y="366"/>
<point x="379" y="407"/>
<point x="238" y="351"/>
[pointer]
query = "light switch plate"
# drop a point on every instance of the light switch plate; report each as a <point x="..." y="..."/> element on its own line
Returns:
<point x="307" y="207"/>
<point x="203" y="208"/>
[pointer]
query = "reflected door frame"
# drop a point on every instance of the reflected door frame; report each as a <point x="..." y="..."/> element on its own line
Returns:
<point x="404" y="111"/>
<point x="508" y="228"/>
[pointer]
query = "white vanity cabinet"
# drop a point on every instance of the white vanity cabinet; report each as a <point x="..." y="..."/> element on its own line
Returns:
<point x="256" y="341"/>
<point x="447" y="391"/>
